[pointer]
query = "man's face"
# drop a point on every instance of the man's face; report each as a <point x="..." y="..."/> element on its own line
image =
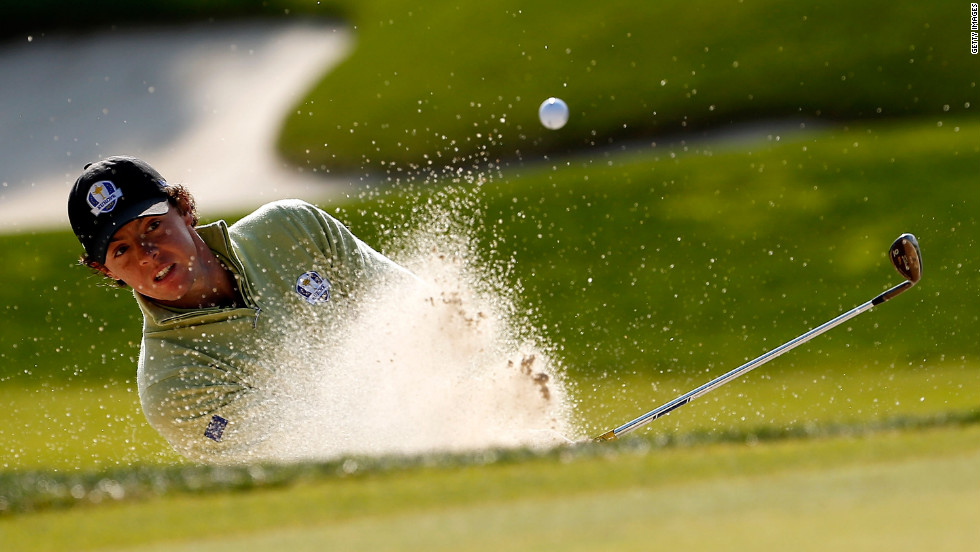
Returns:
<point x="156" y="255"/>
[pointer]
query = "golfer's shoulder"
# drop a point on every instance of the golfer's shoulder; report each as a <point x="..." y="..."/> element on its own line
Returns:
<point x="286" y="208"/>
<point x="282" y="213"/>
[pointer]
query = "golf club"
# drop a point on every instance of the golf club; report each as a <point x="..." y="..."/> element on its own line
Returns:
<point x="906" y="258"/>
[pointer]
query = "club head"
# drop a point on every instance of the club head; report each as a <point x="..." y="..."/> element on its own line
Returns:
<point x="906" y="257"/>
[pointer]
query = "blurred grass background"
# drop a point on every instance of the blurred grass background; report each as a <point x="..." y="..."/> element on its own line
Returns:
<point x="902" y="491"/>
<point x="731" y="176"/>
<point x="427" y="78"/>
<point x="642" y="299"/>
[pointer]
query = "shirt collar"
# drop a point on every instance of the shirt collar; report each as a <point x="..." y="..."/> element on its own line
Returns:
<point x="217" y="238"/>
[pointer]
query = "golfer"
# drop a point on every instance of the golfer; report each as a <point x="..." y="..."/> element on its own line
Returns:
<point x="221" y="304"/>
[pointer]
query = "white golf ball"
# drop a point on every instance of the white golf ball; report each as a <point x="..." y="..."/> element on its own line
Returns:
<point x="553" y="113"/>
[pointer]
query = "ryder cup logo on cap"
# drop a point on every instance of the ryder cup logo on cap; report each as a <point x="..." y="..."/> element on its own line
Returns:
<point x="313" y="287"/>
<point x="102" y="197"/>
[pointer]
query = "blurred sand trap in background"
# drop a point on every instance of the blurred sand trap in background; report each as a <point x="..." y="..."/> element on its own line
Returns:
<point x="201" y="103"/>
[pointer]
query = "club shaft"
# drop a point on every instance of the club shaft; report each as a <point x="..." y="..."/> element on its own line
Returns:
<point x="680" y="401"/>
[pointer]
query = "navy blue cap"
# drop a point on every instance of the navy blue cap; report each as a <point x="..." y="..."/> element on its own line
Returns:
<point x="109" y="194"/>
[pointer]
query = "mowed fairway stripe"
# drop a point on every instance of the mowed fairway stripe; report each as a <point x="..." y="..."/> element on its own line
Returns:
<point x="912" y="506"/>
<point x="891" y="491"/>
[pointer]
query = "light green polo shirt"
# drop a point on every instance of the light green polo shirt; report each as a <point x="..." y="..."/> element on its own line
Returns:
<point x="213" y="382"/>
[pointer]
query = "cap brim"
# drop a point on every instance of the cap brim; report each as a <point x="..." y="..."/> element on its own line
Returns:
<point x="147" y="208"/>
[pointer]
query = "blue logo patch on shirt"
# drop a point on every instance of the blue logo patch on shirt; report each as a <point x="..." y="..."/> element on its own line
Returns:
<point x="313" y="288"/>
<point x="215" y="428"/>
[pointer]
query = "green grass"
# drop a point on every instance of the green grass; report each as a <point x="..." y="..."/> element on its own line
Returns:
<point x="77" y="427"/>
<point x="891" y="490"/>
<point x="652" y="272"/>
<point x="459" y="83"/>
<point x="678" y="263"/>
<point x="652" y="255"/>
<point x="81" y="429"/>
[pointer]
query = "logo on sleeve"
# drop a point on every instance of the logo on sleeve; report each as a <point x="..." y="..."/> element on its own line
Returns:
<point x="102" y="197"/>
<point x="216" y="427"/>
<point x="313" y="288"/>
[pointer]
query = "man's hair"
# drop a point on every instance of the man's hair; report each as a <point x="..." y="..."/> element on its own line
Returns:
<point x="179" y="198"/>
